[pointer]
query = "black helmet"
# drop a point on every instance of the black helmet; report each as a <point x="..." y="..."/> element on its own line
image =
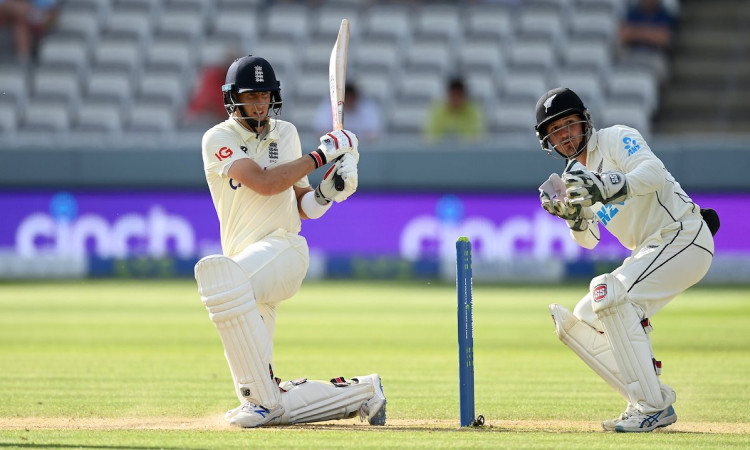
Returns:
<point x="556" y="104"/>
<point x="251" y="74"/>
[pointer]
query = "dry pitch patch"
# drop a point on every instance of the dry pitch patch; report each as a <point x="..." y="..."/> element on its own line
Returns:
<point x="213" y="423"/>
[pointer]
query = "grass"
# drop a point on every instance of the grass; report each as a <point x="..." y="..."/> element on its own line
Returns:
<point x="138" y="364"/>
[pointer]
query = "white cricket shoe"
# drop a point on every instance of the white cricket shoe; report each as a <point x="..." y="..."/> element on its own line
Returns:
<point x="609" y="425"/>
<point x="231" y="413"/>
<point x="374" y="408"/>
<point x="638" y="422"/>
<point x="251" y="415"/>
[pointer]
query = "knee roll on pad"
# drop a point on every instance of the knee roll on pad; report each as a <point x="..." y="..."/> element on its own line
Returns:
<point x="631" y="346"/>
<point x="228" y="297"/>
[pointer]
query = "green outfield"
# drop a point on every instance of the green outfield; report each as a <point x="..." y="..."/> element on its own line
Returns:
<point x="138" y="364"/>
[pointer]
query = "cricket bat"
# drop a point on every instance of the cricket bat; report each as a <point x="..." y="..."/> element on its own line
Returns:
<point x="337" y="84"/>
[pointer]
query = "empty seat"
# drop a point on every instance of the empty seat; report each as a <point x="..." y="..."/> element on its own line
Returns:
<point x="311" y="86"/>
<point x="188" y="23"/>
<point x="241" y="25"/>
<point x="13" y="84"/>
<point x="391" y="21"/>
<point x="64" y="52"/>
<point x="629" y="114"/>
<point x="421" y="86"/>
<point x="81" y="22"/>
<point x="45" y="115"/>
<point x="327" y="21"/>
<point x="289" y="20"/>
<point x="52" y="83"/>
<point x="524" y="85"/>
<point x="374" y="54"/>
<point x="440" y="21"/>
<point x="597" y="24"/>
<point x="585" y="83"/>
<point x="282" y="54"/>
<point x="155" y="117"/>
<point x="482" y="86"/>
<point x="533" y="54"/>
<point x="99" y="117"/>
<point x="162" y="86"/>
<point x="638" y="84"/>
<point x="169" y="54"/>
<point x="376" y="85"/>
<point x="317" y="53"/>
<point x="493" y="21"/>
<point x="124" y="54"/>
<point x="592" y="53"/>
<point x="112" y="85"/>
<point x="544" y="23"/>
<point x="409" y="118"/>
<point x="8" y="117"/>
<point x="130" y="23"/>
<point x="429" y="55"/>
<point x="513" y="117"/>
<point x="302" y="114"/>
<point x="482" y="55"/>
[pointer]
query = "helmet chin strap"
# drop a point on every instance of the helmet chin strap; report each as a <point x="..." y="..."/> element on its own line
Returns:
<point x="252" y="124"/>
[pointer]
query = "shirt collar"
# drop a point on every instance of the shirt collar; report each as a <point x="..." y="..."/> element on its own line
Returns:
<point x="250" y="135"/>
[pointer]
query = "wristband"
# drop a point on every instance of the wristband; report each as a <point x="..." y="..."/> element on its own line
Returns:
<point x="318" y="157"/>
<point x="311" y="207"/>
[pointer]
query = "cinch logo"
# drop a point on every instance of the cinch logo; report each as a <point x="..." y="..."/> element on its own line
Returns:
<point x="223" y="153"/>
<point x="631" y="145"/>
<point x="600" y="292"/>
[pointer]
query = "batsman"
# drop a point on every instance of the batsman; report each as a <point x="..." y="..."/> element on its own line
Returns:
<point x="257" y="176"/>
<point x="613" y="179"/>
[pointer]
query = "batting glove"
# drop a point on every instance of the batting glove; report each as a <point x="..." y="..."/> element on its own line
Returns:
<point x="333" y="145"/>
<point x="584" y="188"/>
<point x="346" y="168"/>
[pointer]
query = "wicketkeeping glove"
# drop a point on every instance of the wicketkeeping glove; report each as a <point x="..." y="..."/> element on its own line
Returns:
<point x="346" y="168"/>
<point x="584" y="188"/>
<point x="554" y="200"/>
<point x="333" y="145"/>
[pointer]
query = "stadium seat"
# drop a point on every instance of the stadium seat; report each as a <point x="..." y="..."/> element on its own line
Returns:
<point x="592" y="53"/>
<point x="548" y="24"/>
<point x="151" y="117"/>
<point x="513" y="117"/>
<point x="639" y="84"/>
<point x="169" y="54"/>
<point x="596" y="24"/>
<point x="8" y="118"/>
<point x="137" y="23"/>
<point x="45" y="115"/>
<point x="82" y="23"/>
<point x="13" y="84"/>
<point x="408" y="119"/>
<point x="124" y="54"/>
<point x="376" y="54"/>
<point x="53" y="83"/>
<point x="162" y="86"/>
<point x="99" y="117"/>
<point x="71" y="53"/>
<point x="188" y="24"/>
<point x="327" y="21"/>
<point x="537" y="55"/>
<point x="442" y="22"/>
<point x="311" y="86"/>
<point x="390" y="21"/>
<point x="481" y="55"/>
<point x="490" y="21"/>
<point x="241" y="24"/>
<point x="629" y="114"/>
<point x="317" y="53"/>
<point x="289" y="20"/>
<point x="524" y="85"/>
<point x="585" y="83"/>
<point x="110" y="85"/>
<point x="377" y="85"/>
<point x="421" y="86"/>
<point x="429" y="55"/>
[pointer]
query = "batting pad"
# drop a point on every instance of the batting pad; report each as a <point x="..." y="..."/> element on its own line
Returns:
<point x="226" y="292"/>
<point x="314" y="401"/>
<point x="631" y="346"/>
<point x="590" y="345"/>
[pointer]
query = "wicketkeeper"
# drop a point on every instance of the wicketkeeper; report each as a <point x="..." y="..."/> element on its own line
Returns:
<point x="613" y="178"/>
<point x="257" y="176"/>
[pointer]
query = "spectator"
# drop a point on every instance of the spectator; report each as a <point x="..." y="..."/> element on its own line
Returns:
<point x="458" y="117"/>
<point x="206" y="106"/>
<point x="29" y="20"/>
<point x="361" y="115"/>
<point x="646" y="34"/>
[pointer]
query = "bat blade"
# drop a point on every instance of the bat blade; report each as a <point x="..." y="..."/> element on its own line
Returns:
<point x="337" y="75"/>
<point x="337" y="84"/>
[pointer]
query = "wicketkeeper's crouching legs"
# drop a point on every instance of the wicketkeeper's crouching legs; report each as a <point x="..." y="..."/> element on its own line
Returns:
<point x="227" y="293"/>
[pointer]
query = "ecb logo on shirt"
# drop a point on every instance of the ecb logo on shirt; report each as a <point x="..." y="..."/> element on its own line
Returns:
<point x="273" y="152"/>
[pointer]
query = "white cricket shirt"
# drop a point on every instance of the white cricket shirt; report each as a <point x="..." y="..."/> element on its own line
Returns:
<point x="655" y="199"/>
<point x="246" y="216"/>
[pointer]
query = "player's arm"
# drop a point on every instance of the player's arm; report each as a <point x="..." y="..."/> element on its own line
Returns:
<point x="644" y="170"/>
<point x="280" y="177"/>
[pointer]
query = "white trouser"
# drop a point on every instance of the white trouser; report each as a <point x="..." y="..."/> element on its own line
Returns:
<point x="276" y="267"/>
<point x="661" y="268"/>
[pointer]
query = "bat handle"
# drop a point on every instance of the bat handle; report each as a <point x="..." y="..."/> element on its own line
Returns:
<point x="338" y="182"/>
